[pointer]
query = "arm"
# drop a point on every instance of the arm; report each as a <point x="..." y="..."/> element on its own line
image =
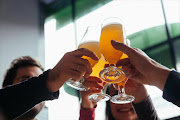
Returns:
<point x="25" y="95"/>
<point x="87" y="111"/>
<point x="142" y="104"/>
<point x="145" y="110"/>
<point x="142" y="68"/>
<point x="147" y="71"/>
<point x="17" y="99"/>
<point x="87" y="114"/>
<point x="171" y="90"/>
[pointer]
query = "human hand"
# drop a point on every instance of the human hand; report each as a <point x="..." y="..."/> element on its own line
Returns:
<point x="72" y="65"/>
<point x="140" y="67"/>
<point x="93" y="84"/>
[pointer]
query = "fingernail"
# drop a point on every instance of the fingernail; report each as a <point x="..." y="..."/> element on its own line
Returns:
<point x="114" y="41"/>
<point x="106" y="65"/>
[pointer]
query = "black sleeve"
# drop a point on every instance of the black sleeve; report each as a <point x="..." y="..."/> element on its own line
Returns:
<point x="145" y="110"/>
<point x="18" y="99"/>
<point x="171" y="90"/>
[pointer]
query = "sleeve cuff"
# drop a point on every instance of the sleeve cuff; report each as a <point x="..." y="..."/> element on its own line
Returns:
<point x="44" y="91"/>
<point x="171" y="92"/>
<point x="87" y="113"/>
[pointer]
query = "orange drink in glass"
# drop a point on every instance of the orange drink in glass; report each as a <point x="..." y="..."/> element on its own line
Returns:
<point x="93" y="45"/>
<point x="112" y="29"/>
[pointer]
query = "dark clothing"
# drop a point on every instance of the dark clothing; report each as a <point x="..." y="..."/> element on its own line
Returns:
<point x="145" y="110"/>
<point x="171" y="90"/>
<point x="17" y="99"/>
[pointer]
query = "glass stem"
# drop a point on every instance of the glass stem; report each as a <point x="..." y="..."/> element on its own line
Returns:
<point x="121" y="90"/>
<point x="102" y="92"/>
<point x="82" y="80"/>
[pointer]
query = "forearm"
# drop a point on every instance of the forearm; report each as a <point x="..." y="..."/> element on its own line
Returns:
<point x="171" y="90"/>
<point x="159" y="76"/>
<point x="87" y="111"/>
<point x="17" y="99"/>
<point x="54" y="81"/>
<point x="87" y="114"/>
<point x="140" y="95"/>
<point x="87" y="104"/>
<point x="145" y="110"/>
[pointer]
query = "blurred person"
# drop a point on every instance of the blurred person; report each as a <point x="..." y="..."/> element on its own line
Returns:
<point x="17" y="99"/>
<point x="21" y="69"/>
<point x="141" y="108"/>
<point x="145" y="70"/>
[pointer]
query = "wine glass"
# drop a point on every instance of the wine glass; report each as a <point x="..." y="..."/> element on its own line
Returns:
<point x="90" y="41"/>
<point x="99" y="97"/>
<point x="122" y="97"/>
<point x="78" y="84"/>
<point x="112" y="29"/>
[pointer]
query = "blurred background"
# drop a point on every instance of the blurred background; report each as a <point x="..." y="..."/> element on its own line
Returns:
<point x="47" y="29"/>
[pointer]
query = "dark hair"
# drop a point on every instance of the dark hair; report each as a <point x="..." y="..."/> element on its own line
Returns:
<point x="22" y="61"/>
<point x="108" y="107"/>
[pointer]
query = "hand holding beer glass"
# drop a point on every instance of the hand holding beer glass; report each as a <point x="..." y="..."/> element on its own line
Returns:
<point x="90" y="41"/>
<point x="113" y="29"/>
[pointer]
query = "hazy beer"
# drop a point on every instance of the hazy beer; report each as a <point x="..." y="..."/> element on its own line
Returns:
<point x="108" y="33"/>
<point x="112" y="31"/>
<point x="93" y="46"/>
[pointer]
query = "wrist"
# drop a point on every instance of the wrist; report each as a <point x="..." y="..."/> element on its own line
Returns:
<point x="52" y="83"/>
<point x="161" y="76"/>
<point x="86" y="107"/>
<point x="141" y="96"/>
<point x="88" y="104"/>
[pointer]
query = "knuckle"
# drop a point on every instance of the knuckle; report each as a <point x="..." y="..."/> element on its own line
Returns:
<point x="88" y="71"/>
<point x="83" y="69"/>
<point x="136" y="49"/>
<point x="78" y="76"/>
<point x="67" y="54"/>
<point x="82" y="49"/>
<point x="86" y="62"/>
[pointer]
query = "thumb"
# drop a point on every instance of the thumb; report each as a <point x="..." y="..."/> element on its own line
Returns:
<point x="121" y="46"/>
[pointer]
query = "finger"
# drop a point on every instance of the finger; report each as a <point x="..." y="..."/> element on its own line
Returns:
<point x="106" y="65"/>
<point x="85" y="66"/>
<point x="89" y="92"/>
<point x="93" y="79"/>
<point x="104" y="83"/>
<point x="88" y="67"/>
<point x="93" y="85"/>
<point x="123" y="62"/>
<point x="115" y="86"/>
<point x="130" y="71"/>
<point x="85" y="52"/>
<point x="95" y="88"/>
<point x="75" y="71"/>
<point x="79" y="68"/>
<point x="122" y="47"/>
<point x="94" y="91"/>
<point x="128" y="50"/>
<point x="77" y="76"/>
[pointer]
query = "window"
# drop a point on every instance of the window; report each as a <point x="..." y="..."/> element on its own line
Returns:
<point x="146" y="28"/>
